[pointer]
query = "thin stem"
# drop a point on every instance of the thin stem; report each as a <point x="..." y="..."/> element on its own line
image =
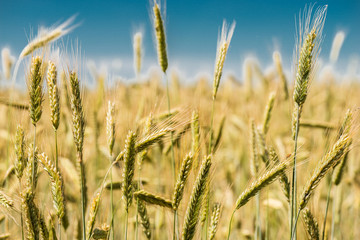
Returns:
<point x="293" y="206"/>
<point x="232" y="216"/>
<point x="33" y="162"/>
<point x="137" y="220"/>
<point x="21" y="216"/>
<point x="56" y="152"/>
<point x="326" y="209"/>
<point x="111" y="203"/>
<point x="333" y="214"/>
<point x="258" y="224"/>
<point x="172" y="148"/>
<point x="59" y="228"/>
<point x="296" y="220"/>
<point x="211" y="125"/>
<point x="82" y="194"/>
<point x="126" y="222"/>
<point x="174" y="225"/>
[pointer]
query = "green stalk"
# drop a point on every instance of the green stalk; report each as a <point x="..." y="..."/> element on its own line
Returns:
<point x="80" y="156"/>
<point x="57" y="168"/>
<point x="21" y="216"/>
<point x="126" y="222"/>
<point x="327" y="207"/>
<point x="59" y="228"/>
<point x="258" y="224"/>
<point x="293" y="204"/>
<point x="33" y="162"/>
<point x="172" y="150"/>
<point x="111" y="202"/>
<point x="293" y="235"/>
<point x="333" y="214"/>
<point x="231" y="218"/>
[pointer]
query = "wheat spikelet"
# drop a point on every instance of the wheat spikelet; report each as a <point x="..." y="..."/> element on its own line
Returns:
<point x="78" y="120"/>
<point x="5" y="201"/>
<point x="153" y="199"/>
<point x="214" y="222"/>
<point x="328" y="161"/>
<point x="219" y="134"/>
<point x="53" y="95"/>
<point x="21" y="159"/>
<point x="110" y="126"/>
<point x="7" y="62"/>
<point x="340" y="167"/>
<point x="92" y="214"/>
<point x="32" y="168"/>
<point x="310" y="38"/>
<point x="45" y="36"/>
<point x="137" y="44"/>
<point x="144" y="219"/>
<point x="129" y="165"/>
<point x="267" y="115"/>
<point x="279" y="68"/>
<point x="261" y="182"/>
<point x="283" y="179"/>
<point x="181" y="181"/>
<point x="31" y="215"/>
<point x="312" y="227"/>
<point x="254" y="160"/>
<point x="193" y="210"/>
<point x="195" y="133"/>
<point x="222" y="48"/>
<point x="44" y="232"/>
<point x="160" y="37"/>
<point x="57" y="185"/>
<point x="52" y="231"/>
<point x="35" y="89"/>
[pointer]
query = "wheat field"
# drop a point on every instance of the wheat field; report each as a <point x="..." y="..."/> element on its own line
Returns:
<point x="270" y="156"/>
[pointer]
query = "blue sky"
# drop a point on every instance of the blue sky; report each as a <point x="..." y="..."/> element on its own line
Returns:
<point x="192" y="28"/>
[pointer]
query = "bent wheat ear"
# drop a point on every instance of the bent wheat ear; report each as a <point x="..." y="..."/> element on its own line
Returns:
<point x="36" y="94"/>
<point x="283" y="179"/>
<point x="53" y="95"/>
<point x="153" y="199"/>
<point x="57" y="185"/>
<point x="194" y="205"/>
<point x="129" y="165"/>
<point x="160" y="37"/>
<point x="181" y="181"/>
<point x="329" y="160"/>
<point x="222" y="48"/>
<point x="312" y="227"/>
<point x="262" y="181"/>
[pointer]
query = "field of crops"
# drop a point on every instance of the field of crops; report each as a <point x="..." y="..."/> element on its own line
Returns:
<point x="270" y="156"/>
